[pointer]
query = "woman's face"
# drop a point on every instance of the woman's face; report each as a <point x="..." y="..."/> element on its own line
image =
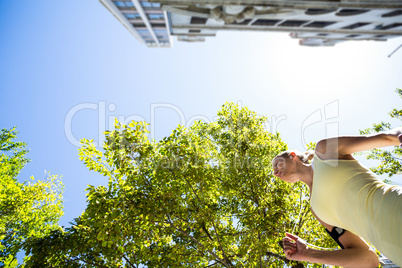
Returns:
<point x="284" y="168"/>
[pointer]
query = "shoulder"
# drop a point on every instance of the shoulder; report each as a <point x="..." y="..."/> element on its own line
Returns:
<point x="321" y="146"/>
<point x="328" y="149"/>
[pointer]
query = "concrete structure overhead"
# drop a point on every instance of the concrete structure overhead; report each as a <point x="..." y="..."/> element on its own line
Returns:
<point x="143" y="19"/>
<point x="314" y="23"/>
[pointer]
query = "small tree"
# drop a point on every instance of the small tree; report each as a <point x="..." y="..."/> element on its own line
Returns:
<point x="203" y="197"/>
<point x="27" y="209"/>
<point x="390" y="159"/>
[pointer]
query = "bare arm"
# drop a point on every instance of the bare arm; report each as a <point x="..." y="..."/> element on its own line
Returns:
<point x="356" y="253"/>
<point x="348" y="257"/>
<point x="343" y="147"/>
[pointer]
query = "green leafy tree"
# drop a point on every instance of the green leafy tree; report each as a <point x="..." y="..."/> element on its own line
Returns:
<point x="390" y="159"/>
<point x="27" y="209"/>
<point x="205" y="196"/>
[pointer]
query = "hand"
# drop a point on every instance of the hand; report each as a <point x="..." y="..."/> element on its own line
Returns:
<point x="294" y="247"/>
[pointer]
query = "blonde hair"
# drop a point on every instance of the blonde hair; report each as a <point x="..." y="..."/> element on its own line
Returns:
<point x="304" y="157"/>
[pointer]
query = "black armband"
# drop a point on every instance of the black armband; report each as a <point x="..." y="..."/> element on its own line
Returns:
<point x="335" y="234"/>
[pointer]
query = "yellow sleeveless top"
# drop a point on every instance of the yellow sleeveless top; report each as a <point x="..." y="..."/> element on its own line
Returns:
<point x="348" y="195"/>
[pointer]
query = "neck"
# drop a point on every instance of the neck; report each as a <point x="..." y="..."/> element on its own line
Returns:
<point x="306" y="174"/>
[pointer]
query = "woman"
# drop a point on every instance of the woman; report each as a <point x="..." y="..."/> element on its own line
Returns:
<point x="348" y="200"/>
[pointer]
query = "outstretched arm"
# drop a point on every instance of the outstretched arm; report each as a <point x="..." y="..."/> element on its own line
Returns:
<point x="343" y="147"/>
<point x="357" y="252"/>
<point x="296" y="249"/>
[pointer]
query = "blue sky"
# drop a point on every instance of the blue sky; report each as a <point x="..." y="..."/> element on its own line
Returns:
<point x="69" y="67"/>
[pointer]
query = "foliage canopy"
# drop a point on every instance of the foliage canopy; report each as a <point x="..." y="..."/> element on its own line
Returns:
<point x="27" y="209"/>
<point x="205" y="196"/>
<point x="390" y="159"/>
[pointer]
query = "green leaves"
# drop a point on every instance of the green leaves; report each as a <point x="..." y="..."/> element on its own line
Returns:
<point x="12" y="159"/>
<point x="390" y="160"/>
<point x="203" y="196"/>
<point x="27" y="210"/>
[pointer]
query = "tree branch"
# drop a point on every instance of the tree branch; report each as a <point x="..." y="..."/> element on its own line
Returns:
<point x="271" y="254"/>
<point x="196" y="241"/>
<point x="211" y="265"/>
<point x="206" y="231"/>
<point x="220" y="246"/>
<point x="301" y="220"/>
<point x="127" y="260"/>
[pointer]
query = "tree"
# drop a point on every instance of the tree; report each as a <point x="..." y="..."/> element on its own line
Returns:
<point x="27" y="209"/>
<point x="203" y="197"/>
<point x="390" y="159"/>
